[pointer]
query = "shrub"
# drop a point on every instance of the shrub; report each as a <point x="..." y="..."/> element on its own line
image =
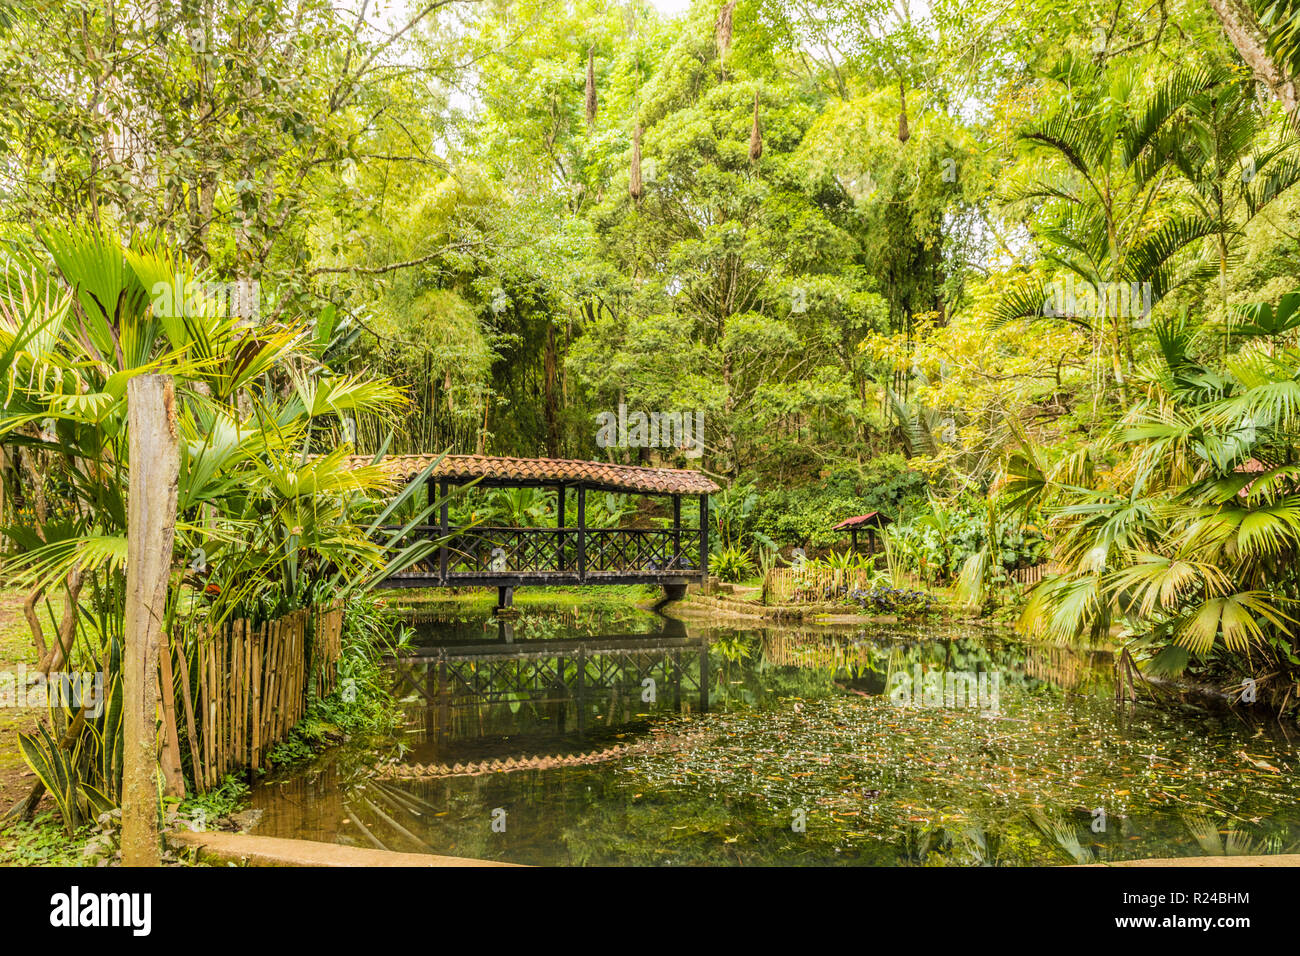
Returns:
<point x="732" y="564"/>
<point x="901" y="601"/>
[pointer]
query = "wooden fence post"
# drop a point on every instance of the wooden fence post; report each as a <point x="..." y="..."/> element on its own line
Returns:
<point x="151" y="526"/>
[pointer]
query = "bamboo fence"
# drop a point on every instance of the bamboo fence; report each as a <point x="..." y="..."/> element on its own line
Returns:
<point x="795" y="649"/>
<point x="1032" y="575"/>
<point x="244" y="686"/>
<point x="814" y="584"/>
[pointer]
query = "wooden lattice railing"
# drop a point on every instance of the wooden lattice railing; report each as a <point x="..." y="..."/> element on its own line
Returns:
<point x="486" y="551"/>
<point x="641" y="549"/>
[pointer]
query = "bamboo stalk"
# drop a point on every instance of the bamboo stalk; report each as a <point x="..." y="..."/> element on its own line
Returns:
<point x="295" y="664"/>
<point x="205" y="702"/>
<point x="220" y="701"/>
<point x="190" y="723"/>
<point x="245" y="655"/>
<point x="304" y="673"/>
<point x="239" y="670"/>
<point x="173" y="779"/>
<point x="256" y="679"/>
<point x="274" y="694"/>
<point x="299" y="661"/>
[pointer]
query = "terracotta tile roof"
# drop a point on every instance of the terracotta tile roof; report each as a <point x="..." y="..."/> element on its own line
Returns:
<point x="603" y="474"/>
<point x="871" y="518"/>
<point x="1251" y="466"/>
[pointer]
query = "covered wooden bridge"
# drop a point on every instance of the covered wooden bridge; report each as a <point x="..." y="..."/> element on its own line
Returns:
<point x="567" y="554"/>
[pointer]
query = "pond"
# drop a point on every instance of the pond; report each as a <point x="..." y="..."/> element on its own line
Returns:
<point x="626" y="738"/>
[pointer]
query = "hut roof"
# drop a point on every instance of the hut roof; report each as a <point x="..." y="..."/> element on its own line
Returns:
<point x="871" y="518"/>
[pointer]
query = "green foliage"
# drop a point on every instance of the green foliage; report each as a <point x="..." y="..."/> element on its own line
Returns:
<point x="68" y="775"/>
<point x="732" y="564"/>
<point x="805" y="516"/>
<point x="227" y="797"/>
<point x="362" y="703"/>
<point x="1190" y="544"/>
<point x="42" y="842"/>
<point x="907" y="603"/>
<point x="272" y="516"/>
<point x="938" y="542"/>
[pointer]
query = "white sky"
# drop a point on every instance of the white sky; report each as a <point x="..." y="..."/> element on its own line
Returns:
<point x="670" y="8"/>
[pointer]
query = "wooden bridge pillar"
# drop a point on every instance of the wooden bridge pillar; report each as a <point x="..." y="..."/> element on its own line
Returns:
<point x="559" y="516"/>
<point x="582" y="533"/>
<point x="704" y="537"/>
<point x="677" y="531"/>
<point x="443" y="529"/>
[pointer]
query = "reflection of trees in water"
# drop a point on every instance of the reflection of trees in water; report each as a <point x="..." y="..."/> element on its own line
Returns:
<point x="1069" y="669"/>
<point x="820" y="651"/>
<point x="472" y="703"/>
<point x="439" y="623"/>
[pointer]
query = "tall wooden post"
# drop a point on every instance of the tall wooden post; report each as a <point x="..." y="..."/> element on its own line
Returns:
<point x="443" y="530"/>
<point x="677" y="531"/>
<point x="559" y="523"/>
<point x="582" y="532"/>
<point x="151" y="526"/>
<point x="704" y="539"/>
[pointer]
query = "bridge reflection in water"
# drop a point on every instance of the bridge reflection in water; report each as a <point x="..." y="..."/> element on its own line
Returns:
<point x="523" y="698"/>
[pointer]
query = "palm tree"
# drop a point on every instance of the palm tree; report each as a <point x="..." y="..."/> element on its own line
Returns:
<point x="1218" y="153"/>
<point x="1115" y="214"/>
<point x="271" y="511"/>
<point x="1187" y="549"/>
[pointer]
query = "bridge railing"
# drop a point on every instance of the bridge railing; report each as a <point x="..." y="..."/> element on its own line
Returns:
<point x="487" y="551"/>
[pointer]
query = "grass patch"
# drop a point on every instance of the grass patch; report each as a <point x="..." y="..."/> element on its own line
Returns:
<point x="42" y="842"/>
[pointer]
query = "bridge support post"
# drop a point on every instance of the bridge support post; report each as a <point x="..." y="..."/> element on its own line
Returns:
<point x="443" y="530"/>
<point x="559" y="522"/>
<point x="582" y="533"/>
<point x="505" y="597"/>
<point x="677" y="532"/>
<point x="704" y="539"/>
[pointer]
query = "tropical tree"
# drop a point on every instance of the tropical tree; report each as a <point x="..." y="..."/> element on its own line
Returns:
<point x="1103" y="200"/>
<point x="1185" y="550"/>
<point x="273" y="514"/>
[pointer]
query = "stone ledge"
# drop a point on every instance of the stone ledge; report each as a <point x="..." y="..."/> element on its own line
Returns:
<point x="1280" y="859"/>
<point x="252" y="850"/>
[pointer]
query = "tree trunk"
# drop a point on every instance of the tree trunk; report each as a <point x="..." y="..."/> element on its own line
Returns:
<point x="1243" y="29"/>
<point x="151" y="525"/>
<point x="56" y="657"/>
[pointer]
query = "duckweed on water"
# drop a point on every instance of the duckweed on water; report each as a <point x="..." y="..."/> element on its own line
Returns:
<point x="864" y="771"/>
<point x="805" y="755"/>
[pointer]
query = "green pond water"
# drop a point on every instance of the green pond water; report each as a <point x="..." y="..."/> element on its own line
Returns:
<point x="890" y="745"/>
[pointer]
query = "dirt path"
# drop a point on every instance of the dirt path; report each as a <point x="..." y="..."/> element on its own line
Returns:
<point x="16" y="649"/>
